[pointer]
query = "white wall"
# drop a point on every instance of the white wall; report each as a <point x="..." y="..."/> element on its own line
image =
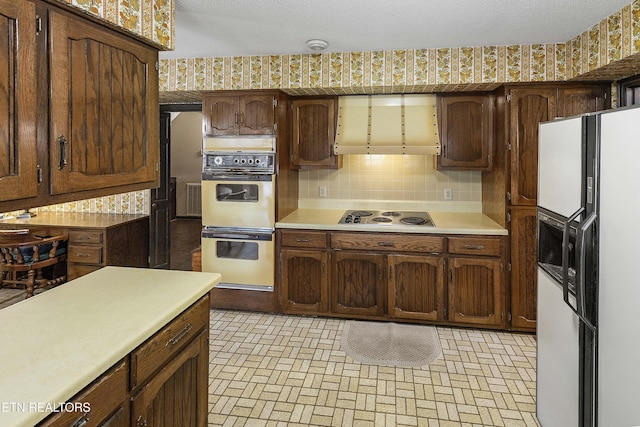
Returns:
<point x="186" y="154"/>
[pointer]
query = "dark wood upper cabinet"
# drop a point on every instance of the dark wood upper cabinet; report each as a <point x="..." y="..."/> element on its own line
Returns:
<point x="18" y="159"/>
<point x="104" y="113"/>
<point x="573" y="101"/>
<point x="314" y="129"/>
<point x="528" y="108"/>
<point x="79" y="109"/>
<point x="248" y="114"/>
<point x="466" y="132"/>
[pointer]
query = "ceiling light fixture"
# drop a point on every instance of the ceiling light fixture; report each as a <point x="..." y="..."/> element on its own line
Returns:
<point x="317" y="44"/>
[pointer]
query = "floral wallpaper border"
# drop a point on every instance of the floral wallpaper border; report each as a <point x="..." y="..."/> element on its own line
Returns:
<point x="149" y="19"/>
<point x="423" y="70"/>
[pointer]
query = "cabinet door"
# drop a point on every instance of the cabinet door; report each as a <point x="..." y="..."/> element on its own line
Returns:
<point x="104" y="108"/>
<point x="523" y="232"/>
<point x="18" y="160"/>
<point x="358" y="285"/>
<point x="466" y="132"/>
<point x="573" y="101"/>
<point x="177" y="394"/>
<point x="314" y="131"/>
<point x="221" y="115"/>
<point x="257" y="115"/>
<point x="304" y="281"/>
<point x="416" y="287"/>
<point x="475" y="291"/>
<point x="528" y="107"/>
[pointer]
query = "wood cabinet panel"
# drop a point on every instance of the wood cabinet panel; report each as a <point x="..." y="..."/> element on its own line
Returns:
<point x="573" y="101"/>
<point x="104" y="116"/>
<point x="248" y="114"/>
<point x="524" y="272"/>
<point x="466" y="132"/>
<point x="416" y="287"/>
<point x="106" y="402"/>
<point x="475" y="291"/>
<point x="163" y="346"/>
<point x="358" y="285"/>
<point x="529" y="107"/>
<point x="176" y="395"/>
<point x="304" y="239"/>
<point x="388" y="242"/>
<point x="314" y="131"/>
<point x="304" y="280"/>
<point x="18" y="158"/>
<point x="483" y="246"/>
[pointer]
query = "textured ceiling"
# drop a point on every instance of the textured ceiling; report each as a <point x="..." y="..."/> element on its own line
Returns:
<point x="214" y="28"/>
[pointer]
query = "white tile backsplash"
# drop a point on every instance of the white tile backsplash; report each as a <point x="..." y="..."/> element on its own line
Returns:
<point x="394" y="178"/>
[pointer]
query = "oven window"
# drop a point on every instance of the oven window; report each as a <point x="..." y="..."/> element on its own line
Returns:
<point x="550" y="252"/>
<point x="228" y="192"/>
<point x="237" y="250"/>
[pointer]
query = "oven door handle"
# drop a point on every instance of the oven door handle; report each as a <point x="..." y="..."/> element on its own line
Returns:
<point x="237" y="236"/>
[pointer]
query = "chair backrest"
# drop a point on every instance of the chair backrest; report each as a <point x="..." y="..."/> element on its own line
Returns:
<point x="31" y="250"/>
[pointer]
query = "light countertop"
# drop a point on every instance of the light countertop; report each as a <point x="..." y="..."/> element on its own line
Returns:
<point x="54" y="344"/>
<point x="445" y="223"/>
<point x="73" y="219"/>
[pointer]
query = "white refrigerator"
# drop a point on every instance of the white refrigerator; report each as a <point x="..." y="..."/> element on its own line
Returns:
<point x="588" y="336"/>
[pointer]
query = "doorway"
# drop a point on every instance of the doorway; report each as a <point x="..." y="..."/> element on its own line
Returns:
<point x="175" y="230"/>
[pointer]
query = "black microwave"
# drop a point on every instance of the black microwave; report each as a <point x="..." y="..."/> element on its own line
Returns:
<point x="551" y="228"/>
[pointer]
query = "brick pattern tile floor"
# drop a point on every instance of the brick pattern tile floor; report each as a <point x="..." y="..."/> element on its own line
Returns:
<point x="279" y="370"/>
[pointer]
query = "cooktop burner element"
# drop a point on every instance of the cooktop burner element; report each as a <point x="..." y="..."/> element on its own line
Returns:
<point x="386" y="218"/>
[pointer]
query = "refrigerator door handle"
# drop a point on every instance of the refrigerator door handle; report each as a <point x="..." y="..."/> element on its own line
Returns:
<point x="565" y="256"/>
<point x="581" y="270"/>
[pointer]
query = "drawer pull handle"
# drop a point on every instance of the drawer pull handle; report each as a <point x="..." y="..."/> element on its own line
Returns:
<point x="303" y="240"/>
<point x="83" y="255"/>
<point x="82" y="421"/>
<point x="175" y="340"/>
<point x="474" y="247"/>
<point x="386" y="244"/>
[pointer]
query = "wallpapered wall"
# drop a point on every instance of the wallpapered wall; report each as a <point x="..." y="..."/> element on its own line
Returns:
<point x="150" y="19"/>
<point x="423" y="70"/>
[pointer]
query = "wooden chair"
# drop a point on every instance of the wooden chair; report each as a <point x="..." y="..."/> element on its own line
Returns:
<point x="32" y="261"/>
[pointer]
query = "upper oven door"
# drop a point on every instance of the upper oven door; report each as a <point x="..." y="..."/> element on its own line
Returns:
<point x="242" y="201"/>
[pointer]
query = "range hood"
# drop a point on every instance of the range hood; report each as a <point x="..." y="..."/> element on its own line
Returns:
<point x="387" y="124"/>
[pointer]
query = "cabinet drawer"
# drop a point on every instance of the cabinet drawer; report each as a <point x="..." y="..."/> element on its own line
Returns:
<point x="85" y="236"/>
<point x="475" y="246"/>
<point x="97" y="401"/>
<point x="387" y="242"/>
<point x="84" y="254"/>
<point x="165" y="344"/>
<point x="305" y="239"/>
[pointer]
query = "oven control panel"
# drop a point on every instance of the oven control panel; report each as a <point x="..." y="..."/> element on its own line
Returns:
<point x="224" y="162"/>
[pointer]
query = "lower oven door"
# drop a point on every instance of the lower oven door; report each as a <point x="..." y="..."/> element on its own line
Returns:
<point x="243" y="201"/>
<point x="244" y="258"/>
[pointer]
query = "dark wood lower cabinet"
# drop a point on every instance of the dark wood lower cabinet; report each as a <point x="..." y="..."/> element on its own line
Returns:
<point x="523" y="231"/>
<point x="173" y="397"/>
<point x="453" y="280"/>
<point x="475" y="291"/>
<point x="357" y="285"/>
<point x="304" y="280"/>
<point x="416" y="287"/>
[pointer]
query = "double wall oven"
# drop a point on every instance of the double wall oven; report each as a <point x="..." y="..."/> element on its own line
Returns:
<point x="238" y="211"/>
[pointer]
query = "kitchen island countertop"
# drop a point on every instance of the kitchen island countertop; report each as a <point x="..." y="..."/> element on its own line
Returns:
<point x="445" y="223"/>
<point x="54" y="344"/>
